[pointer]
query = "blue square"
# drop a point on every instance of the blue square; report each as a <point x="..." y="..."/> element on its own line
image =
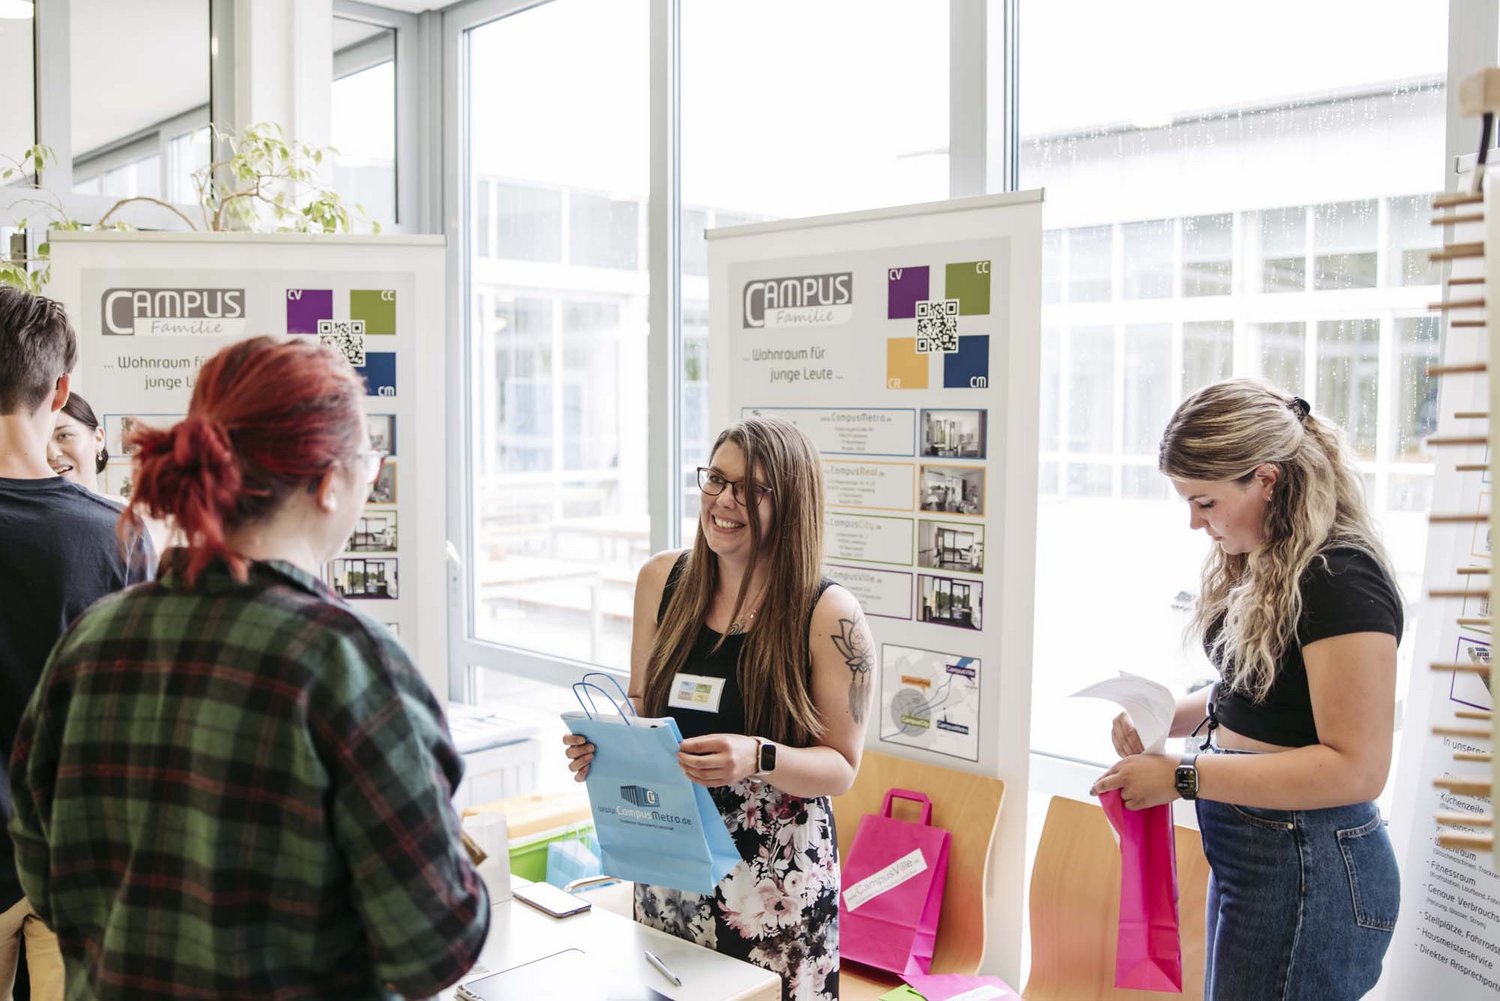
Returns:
<point x="379" y="373"/>
<point x="969" y="366"/>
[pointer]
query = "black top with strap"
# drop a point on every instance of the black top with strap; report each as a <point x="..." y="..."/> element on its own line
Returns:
<point x="1344" y="591"/>
<point x="703" y="660"/>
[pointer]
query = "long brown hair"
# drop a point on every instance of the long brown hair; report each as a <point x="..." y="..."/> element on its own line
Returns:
<point x="1225" y="432"/>
<point x="773" y="665"/>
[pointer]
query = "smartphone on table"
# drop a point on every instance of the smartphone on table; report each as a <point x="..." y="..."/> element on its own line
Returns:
<point x="550" y="900"/>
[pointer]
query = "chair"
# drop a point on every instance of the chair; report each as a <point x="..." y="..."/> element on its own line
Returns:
<point x="964" y="804"/>
<point x="1075" y="907"/>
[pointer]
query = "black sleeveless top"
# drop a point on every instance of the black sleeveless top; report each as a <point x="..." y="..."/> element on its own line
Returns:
<point x="723" y="663"/>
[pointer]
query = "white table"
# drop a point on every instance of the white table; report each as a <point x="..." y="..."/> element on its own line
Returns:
<point x="520" y="934"/>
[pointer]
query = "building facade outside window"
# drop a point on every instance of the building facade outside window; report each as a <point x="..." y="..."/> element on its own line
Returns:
<point x="1205" y="232"/>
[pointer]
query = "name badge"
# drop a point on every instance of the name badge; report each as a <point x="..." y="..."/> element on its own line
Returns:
<point x="696" y="691"/>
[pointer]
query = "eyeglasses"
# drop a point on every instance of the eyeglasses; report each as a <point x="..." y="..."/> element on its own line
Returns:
<point x="713" y="484"/>
<point x="374" y="464"/>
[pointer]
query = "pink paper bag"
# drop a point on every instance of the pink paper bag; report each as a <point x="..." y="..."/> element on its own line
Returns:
<point x="893" y="884"/>
<point x="1148" y="945"/>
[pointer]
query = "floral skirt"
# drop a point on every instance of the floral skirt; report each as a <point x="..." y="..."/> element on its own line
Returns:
<point x="777" y="909"/>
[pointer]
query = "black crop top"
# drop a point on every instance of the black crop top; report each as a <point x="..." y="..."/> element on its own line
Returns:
<point x="1349" y="593"/>
<point x="703" y="660"/>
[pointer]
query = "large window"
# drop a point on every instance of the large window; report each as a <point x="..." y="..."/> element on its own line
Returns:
<point x="850" y="118"/>
<point x="1199" y="227"/>
<point x="557" y="184"/>
<point x="17" y="82"/>
<point x="364" y="117"/>
<point x="1255" y="209"/>
<point x="139" y="106"/>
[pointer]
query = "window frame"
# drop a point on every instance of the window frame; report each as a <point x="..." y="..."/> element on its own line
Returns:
<point x="984" y="143"/>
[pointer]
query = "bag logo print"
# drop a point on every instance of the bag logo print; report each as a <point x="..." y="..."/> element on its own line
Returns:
<point x="640" y="796"/>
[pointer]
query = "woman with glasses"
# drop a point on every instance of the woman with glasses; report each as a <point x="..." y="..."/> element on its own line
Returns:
<point x="230" y="783"/>
<point x="766" y="665"/>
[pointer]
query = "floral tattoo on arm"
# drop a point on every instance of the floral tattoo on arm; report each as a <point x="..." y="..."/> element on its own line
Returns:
<point x="853" y="645"/>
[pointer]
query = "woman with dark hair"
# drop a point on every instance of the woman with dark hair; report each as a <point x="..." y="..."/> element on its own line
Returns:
<point x="1300" y="612"/>
<point x="231" y="784"/>
<point x="778" y="660"/>
<point x="76" y="449"/>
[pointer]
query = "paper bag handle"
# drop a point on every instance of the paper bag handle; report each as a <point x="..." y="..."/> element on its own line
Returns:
<point x="582" y="687"/>
<point x="915" y="797"/>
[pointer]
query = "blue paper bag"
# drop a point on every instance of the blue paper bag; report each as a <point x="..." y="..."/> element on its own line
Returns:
<point x="653" y="823"/>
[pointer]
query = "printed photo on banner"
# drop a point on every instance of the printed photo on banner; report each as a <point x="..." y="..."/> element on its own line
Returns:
<point x="375" y="532"/>
<point x="365" y="578"/>
<point x="118" y="480"/>
<point x="953" y="489"/>
<point x="1465" y="688"/>
<point x="930" y="700"/>
<point x="383" y="490"/>
<point x="953" y="434"/>
<point x="950" y="601"/>
<point x="382" y="428"/>
<point x="950" y="546"/>
<point x="118" y="426"/>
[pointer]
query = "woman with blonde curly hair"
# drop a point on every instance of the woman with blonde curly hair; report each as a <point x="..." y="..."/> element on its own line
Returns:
<point x="1300" y="613"/>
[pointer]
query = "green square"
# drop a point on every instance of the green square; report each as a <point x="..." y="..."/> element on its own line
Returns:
<point x="377" y="307"/>
<point x="969" y="283"/>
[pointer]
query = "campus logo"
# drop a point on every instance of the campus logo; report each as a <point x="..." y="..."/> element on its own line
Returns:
<point x="802" y="301"/>
<point x="212" y="312"/>
<point x="640" y="796"/>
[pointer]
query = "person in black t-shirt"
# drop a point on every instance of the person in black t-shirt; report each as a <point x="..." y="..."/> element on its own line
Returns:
<point x="1300" y="613"/>
<point x="58" y="555"/>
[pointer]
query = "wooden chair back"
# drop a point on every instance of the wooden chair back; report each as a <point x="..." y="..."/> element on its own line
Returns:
<point x="965" y="805"/>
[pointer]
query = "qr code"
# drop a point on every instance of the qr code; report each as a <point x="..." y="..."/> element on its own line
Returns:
<point x="347" y="337"/>
<point x="937" y="327"/>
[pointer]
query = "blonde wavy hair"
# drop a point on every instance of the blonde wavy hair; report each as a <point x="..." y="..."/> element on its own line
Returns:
<point x="1225" y="432"/>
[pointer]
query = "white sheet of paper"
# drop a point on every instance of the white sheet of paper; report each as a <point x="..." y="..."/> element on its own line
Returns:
<point x="1150" y="704"/>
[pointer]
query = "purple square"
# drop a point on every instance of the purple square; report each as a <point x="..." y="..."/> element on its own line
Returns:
<point x="305" y="307"/>
<point x="905" y="287"/>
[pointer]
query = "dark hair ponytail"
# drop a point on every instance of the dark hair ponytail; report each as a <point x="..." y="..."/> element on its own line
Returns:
<point x="78" y="408"/>
<point x="267" y="417"/>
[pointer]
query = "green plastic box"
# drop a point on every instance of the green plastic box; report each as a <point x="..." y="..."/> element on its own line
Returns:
<point x="528" y="856"/>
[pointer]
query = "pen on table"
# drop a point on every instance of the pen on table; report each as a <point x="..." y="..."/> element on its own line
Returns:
<point x="662" y="968"/>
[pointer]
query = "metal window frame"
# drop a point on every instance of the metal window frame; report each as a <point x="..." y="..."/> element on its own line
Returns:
<point x="971" y="30"/>
<point x="53" y="102"/>
<point x="417" y="103"/>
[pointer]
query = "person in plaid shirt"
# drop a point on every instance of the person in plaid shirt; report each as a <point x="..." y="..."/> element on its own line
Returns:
<point x="230" y="784"/>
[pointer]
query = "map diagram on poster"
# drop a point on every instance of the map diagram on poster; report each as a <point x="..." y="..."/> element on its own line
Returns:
<point x="931" y="701"/>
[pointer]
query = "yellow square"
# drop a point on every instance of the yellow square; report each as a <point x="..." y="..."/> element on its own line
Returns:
<point x="904" y="368"/>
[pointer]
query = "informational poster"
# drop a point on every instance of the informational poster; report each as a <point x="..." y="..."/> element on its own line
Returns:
<point x="151" y="308"/>
<point x="906" y="344"/>
<point x="1447" y="941"/>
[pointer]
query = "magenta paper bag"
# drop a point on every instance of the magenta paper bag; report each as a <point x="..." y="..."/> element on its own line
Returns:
<point x="1148" y="945"/>
<point x="893" y="889"/>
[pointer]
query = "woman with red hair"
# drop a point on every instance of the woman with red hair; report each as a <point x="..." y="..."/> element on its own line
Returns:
<point x="231" y="784"/>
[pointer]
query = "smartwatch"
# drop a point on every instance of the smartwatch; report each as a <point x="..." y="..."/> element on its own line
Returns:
<point x="1186" y="776"/>
<point x="765" y="757"/>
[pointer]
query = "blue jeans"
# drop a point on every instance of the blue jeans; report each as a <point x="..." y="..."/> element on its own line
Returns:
<point x="1301" y="903"/>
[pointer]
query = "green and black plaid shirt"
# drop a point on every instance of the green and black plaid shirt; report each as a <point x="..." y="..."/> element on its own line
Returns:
<point x="241" y="791"/>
